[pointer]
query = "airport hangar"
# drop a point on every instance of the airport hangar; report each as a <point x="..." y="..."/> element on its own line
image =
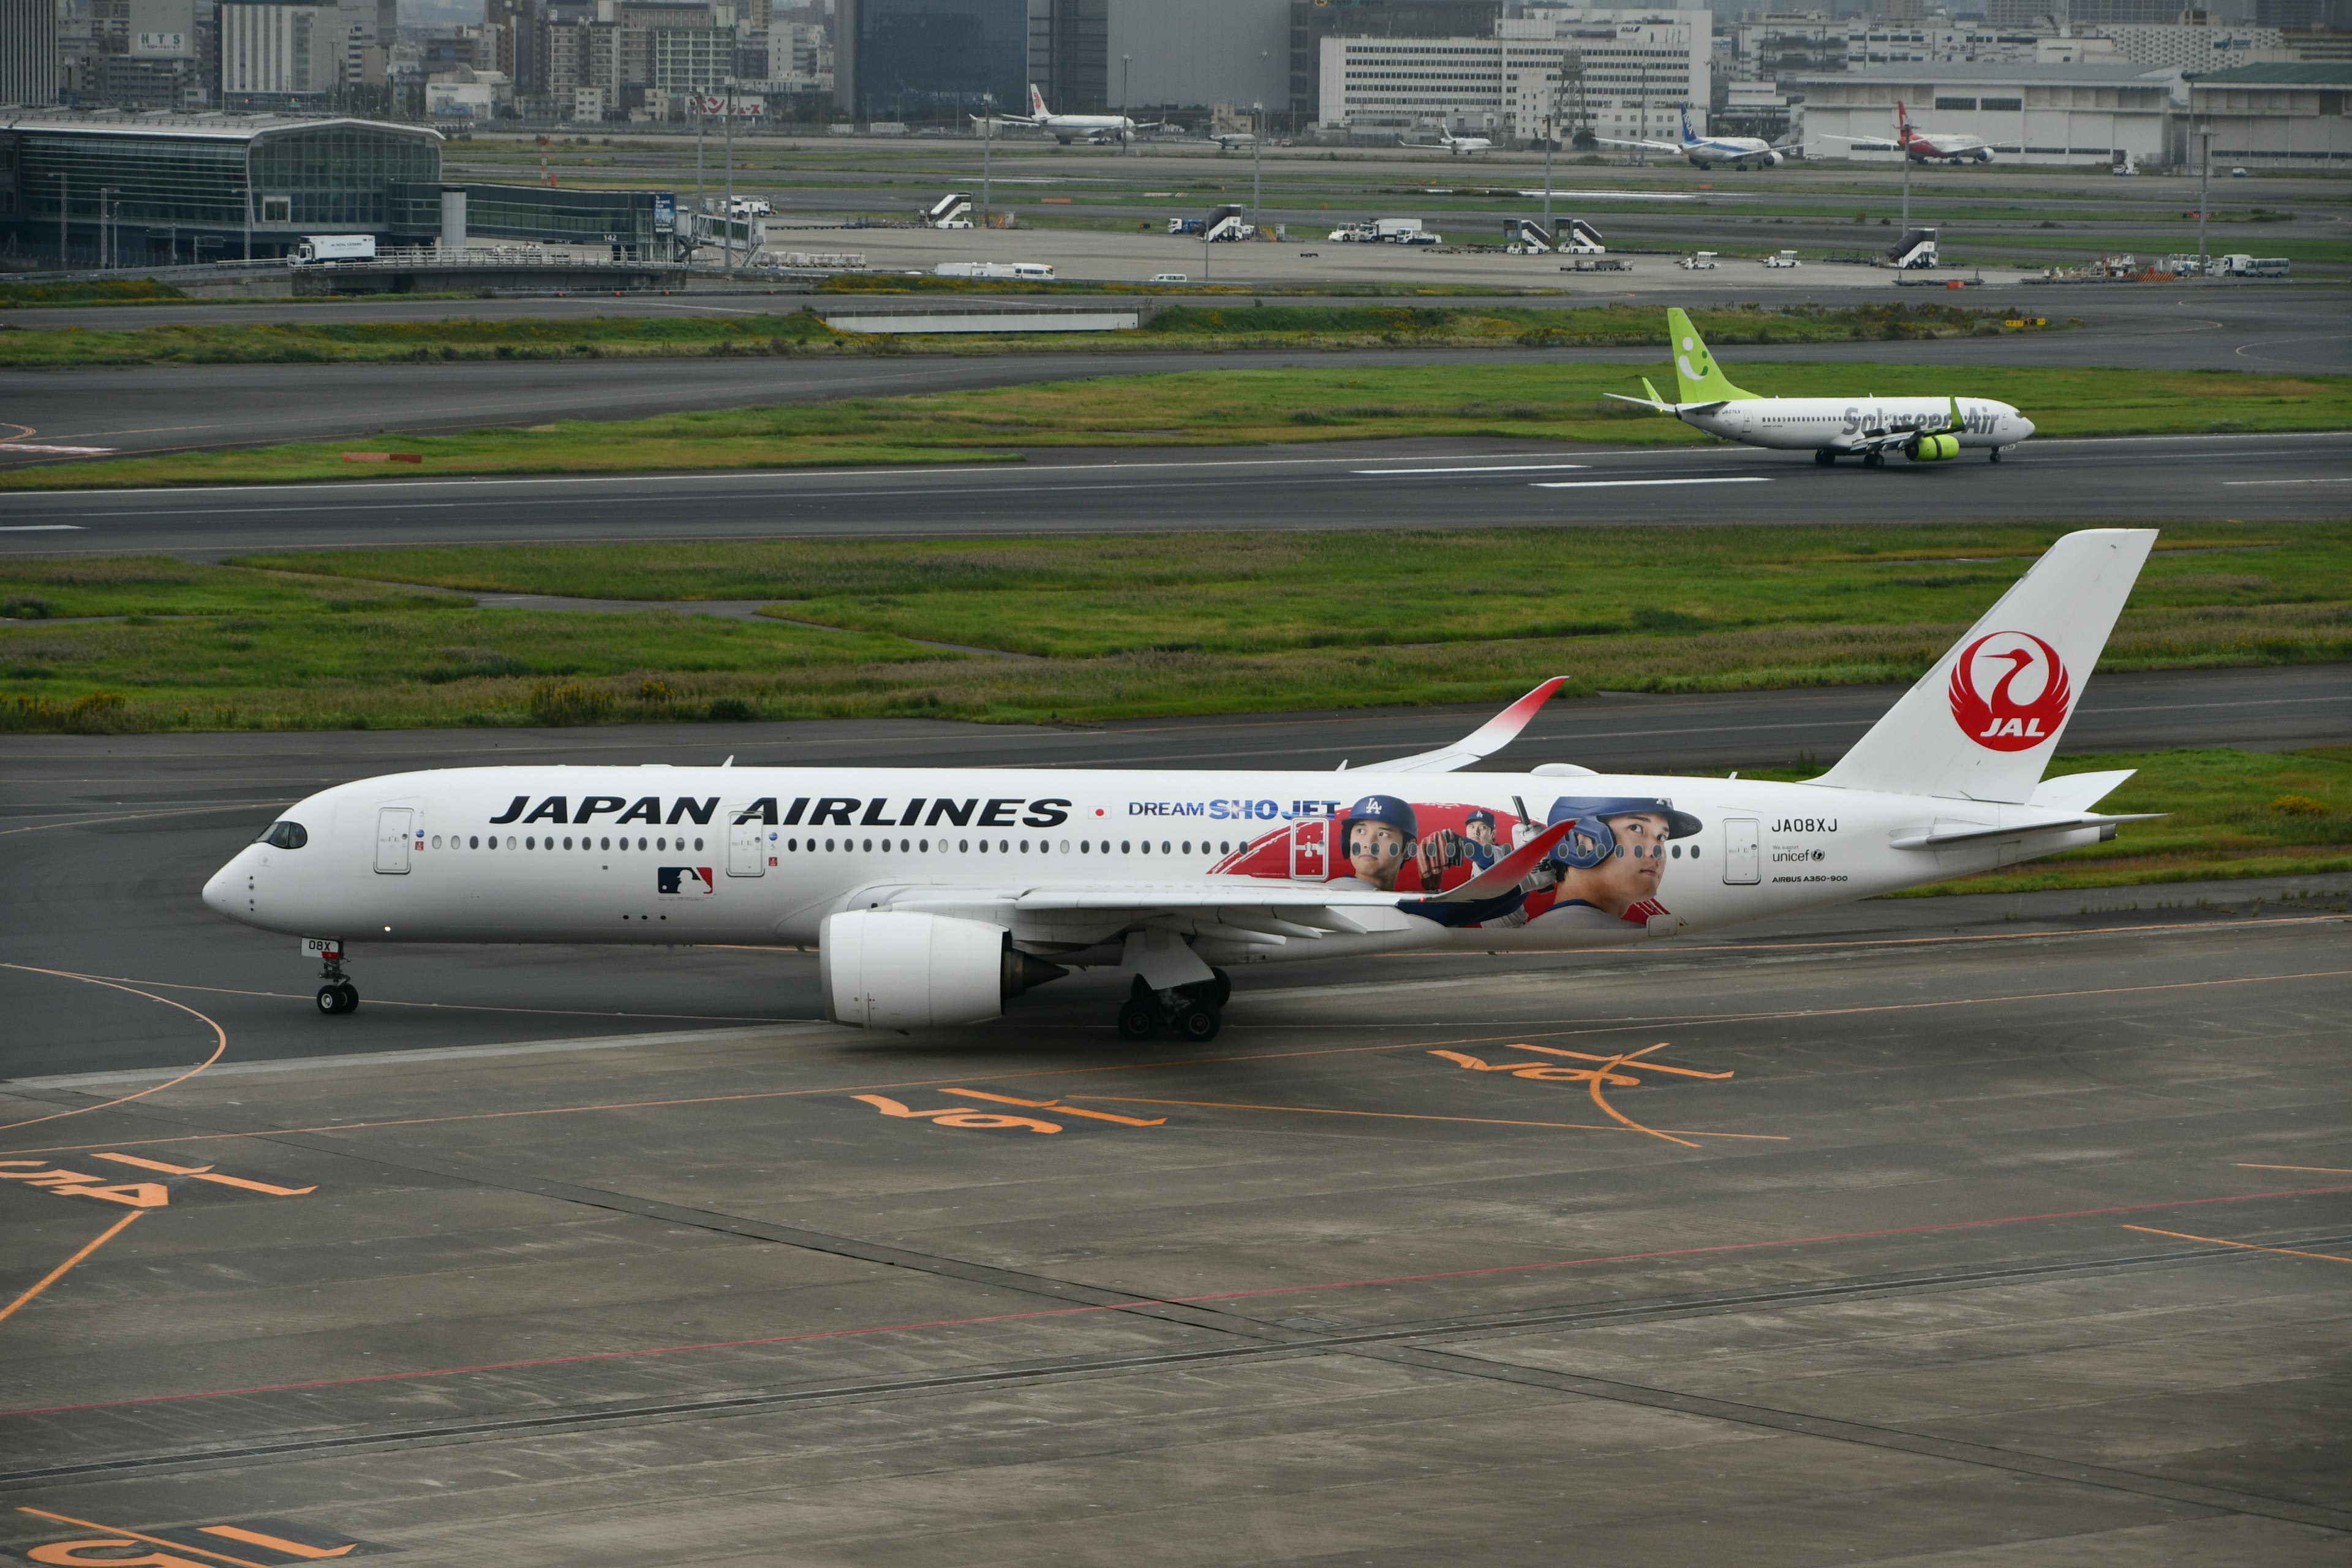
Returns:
<point x="141" y="190"/>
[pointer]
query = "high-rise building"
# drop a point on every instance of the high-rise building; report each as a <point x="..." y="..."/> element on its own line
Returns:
<point x="277" y="56"/>
<point x="29" y="51"/>
<point x="929" y="59"/>
<point x="1312" y="21"/>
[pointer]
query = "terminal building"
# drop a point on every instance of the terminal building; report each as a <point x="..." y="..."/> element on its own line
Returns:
<point x="146" y="190"/>
<point x="2278" y="116"/>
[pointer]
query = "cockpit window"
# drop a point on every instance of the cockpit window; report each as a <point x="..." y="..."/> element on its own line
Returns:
<point x="285" y="836"/>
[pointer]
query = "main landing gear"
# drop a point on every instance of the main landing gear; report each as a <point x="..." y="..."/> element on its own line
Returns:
<point x="1995" y="454"/>
<point x="1823" y="457"/>
<point x="1195" y="1012"/>
<point x="338" y="995"/>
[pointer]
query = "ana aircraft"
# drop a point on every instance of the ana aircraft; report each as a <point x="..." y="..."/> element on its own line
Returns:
<point x="1706" y="152"/>
<point x="1068" y="128"/>
<point x="1923" y="430"/>
<point x="934" y="896"/>
<point x="1922" y="146"/>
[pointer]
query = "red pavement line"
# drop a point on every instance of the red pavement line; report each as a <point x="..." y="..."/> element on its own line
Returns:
<point x="1163" y="1301"/>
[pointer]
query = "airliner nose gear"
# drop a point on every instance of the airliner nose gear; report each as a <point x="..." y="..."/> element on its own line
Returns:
<point x="338" y="995"/>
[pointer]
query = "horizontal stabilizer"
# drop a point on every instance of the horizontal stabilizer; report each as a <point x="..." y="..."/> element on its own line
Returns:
<point x="2078" y="792"/>
<point x="1942" y="837"/>
<point x="1482" y="742"/>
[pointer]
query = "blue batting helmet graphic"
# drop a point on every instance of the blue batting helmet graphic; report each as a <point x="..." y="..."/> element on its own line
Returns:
<point x="1592" y="841"/>
<point x="1389" y="809"/>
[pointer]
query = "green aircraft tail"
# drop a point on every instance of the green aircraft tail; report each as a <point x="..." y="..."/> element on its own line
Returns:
<point x="1698" y="378"/>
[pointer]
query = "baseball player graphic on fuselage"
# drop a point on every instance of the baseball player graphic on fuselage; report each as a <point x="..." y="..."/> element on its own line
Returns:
<point x="1609" y="868"/>
<point x="1377" y="837"/>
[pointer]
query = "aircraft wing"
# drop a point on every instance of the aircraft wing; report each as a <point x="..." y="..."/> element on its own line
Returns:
<point x="1661" y="406"/>
<point x="1875" y="144"/>
<point x="1654" y="146"/>
<point x="1482" y="742"/>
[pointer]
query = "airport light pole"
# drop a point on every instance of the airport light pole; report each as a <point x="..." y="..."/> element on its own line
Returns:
<point x="1903" y="151"/>
<point x="2204" y="201"/>
<point x="701" y="202"/>
<point x="987" y="145"/>
<point x="1551" y="134"/>
<point x="105" y="229"/>
<point x="1257" y="164"/>
<point x="730" y="230"/>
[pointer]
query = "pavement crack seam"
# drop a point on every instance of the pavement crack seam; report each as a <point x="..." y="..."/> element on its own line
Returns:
<point x="1799" y="1424"/>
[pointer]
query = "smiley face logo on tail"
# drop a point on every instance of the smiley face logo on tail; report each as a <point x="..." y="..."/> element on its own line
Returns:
<point x="1990" y="681"/>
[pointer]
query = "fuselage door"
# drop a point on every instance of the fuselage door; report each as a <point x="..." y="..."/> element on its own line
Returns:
<point x="747" y="848"/>
<point x="392" y="830"/>
<point x="1311" y="858"/>
<point x="1743" y="859"/>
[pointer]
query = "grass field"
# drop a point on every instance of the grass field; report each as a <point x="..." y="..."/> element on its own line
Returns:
<point x="1521" y="402"/>
<point x="1091" y="628"/>
<point x="798" y="331"/>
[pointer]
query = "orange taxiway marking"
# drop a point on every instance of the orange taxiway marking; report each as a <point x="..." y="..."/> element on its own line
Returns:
<point x="2241" y="1246"/>
<point x="1410" y="1116"/>
<point x="1684" y="1020"/>
<point x="150" y="1540"/>
<point x="220" y="1045"/>
<point x="62" y="1269"/>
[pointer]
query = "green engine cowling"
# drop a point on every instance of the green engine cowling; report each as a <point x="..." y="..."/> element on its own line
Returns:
<point x="1935" y="449"/>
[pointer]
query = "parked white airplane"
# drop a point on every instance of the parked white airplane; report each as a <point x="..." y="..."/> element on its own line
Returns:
<point x="1923" y="430"/>
<point x="1458" y="146"/>
<point x="935" y="895"/>
<point x="1706" y="152"/>
<point x="1068" y="128"/>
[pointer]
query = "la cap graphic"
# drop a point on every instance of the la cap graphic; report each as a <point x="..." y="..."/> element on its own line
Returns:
<point x="2000" y="719"/>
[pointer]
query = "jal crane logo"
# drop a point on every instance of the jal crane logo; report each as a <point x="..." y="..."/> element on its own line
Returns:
<point x="2028" y="696"/>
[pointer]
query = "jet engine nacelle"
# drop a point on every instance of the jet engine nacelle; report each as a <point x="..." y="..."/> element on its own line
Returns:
<point x="1935" y="449"/>
<point x="1773" y="160"/>
<point x="893" y="969"/>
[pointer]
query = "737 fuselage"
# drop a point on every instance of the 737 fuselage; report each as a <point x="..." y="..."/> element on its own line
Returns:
<point x="1923" y="430"/>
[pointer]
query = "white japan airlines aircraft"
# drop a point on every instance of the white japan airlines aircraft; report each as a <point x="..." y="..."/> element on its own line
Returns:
<point x="1923" y="145"/>
<point x="1706" y="152"/>
<point x="935" y="895"/>
<point x="1066" y="128"/>
<point x="1923" y="430"/>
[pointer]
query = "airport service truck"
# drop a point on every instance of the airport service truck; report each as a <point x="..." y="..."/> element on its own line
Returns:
<point x="2253" y="266"/>
<point x="1387" y="231"/>
<point x="332" y="248"/>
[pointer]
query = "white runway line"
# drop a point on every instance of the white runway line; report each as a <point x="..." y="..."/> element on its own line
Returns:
<point x="1620" y="484"/>
<point x="2232" y="484"/>
<point x="42" y="527"/>
<point x="1489" y="468"/>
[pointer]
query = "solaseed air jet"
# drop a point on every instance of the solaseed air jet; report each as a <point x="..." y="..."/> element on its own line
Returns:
<point x="1923" y="430"/>
<point x="934" y="896"/>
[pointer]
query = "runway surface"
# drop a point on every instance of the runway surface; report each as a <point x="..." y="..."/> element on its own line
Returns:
<point x="1351" y="486"/>
<point x="157" y="408"/>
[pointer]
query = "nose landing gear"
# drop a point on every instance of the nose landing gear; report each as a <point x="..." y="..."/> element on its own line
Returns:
<point x="338" y="995"/>
<point x="1195" y="1012"/>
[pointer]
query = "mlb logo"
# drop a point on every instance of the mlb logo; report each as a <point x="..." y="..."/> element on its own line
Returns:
<point x="683" y="882"/>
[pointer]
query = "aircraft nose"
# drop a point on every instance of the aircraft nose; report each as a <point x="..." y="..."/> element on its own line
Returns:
<point x="220" y="892"/>
<point x="2024" y="426"/>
